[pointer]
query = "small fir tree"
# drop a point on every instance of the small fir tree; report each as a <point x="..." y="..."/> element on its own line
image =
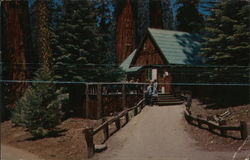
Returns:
<point x="39" y="110"/>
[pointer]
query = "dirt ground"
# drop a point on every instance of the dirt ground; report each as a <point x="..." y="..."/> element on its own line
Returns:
<point x="69" y="146"/>
<point x="212" y="142"/>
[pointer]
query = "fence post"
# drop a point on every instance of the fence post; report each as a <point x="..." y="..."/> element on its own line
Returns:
<point x="127" y="117"/>
<point x="89" y="141"/>
<point x="243" y="129"/>
<point x="223" y="132"/>
<point x="144" y="94"/>
<point x="106" y="131"/>
<point x="199" y="123"/>
<point x="123" y="96"/>
<point x="117" y="122"/>
<point x="87" y="114"/>
<point x="135" y="111"/>
<point x="99" y="101"/>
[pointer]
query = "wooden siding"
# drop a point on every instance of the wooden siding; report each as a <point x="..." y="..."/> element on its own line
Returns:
<point x="125" y="31"/>
<point x="148" y="55"/>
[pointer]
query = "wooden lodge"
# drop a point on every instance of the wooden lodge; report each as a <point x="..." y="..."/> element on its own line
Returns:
<point x="158" y="52"/>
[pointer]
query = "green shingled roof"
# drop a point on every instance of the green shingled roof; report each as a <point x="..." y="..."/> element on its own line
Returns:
<point x="177" y="47"/>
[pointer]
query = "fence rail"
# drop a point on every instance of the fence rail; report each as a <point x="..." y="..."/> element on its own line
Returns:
<point x="211" y="126"/>
<point x="102" y="99"/>
<point x="90" y="132"/>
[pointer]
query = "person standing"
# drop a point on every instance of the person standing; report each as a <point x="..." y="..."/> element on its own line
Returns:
<point x="154" y="91"/>
<point x="149" y="92"/>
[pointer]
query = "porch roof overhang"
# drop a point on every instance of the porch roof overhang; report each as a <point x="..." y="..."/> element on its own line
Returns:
<point x="126" y="64"/>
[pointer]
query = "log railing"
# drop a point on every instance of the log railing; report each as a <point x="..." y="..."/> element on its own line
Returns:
<point x="105" y="127"/>
<point x="103" y="99"/>
<point x="97" y="100"/>
<point x="212" y="126"/>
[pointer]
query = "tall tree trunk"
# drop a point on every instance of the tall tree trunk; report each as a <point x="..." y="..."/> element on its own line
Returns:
<point x="125" y="31"/>
<point x="44" y="48"/>
<point x="16" y="47"/>
<point x="1" y="71"/>
<point x="155" y="14"/>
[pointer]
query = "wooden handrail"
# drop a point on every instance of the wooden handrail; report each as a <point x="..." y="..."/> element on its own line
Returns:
<point x="212" y="125"/>
<point x="110" y="121"/>
<point x="90" y="132"/>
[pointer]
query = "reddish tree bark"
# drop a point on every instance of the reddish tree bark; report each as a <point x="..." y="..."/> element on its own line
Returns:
<point x="44" y="48"/>
<point x="16" y="48"/>
<point x="125" y="31"/>
<point x="155" y="14"/>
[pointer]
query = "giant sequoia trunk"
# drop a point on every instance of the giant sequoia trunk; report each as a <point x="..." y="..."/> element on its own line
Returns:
<point x="16" y="48"/>
<point x="43" y="38"/>
<point x="155" y="14"/>
<point x="125" y="31"/>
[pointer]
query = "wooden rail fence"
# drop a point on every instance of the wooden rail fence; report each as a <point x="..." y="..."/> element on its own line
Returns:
<point x="90" y="132"/>
<point x="211" y="126"/>
<point x="103" y="99"/>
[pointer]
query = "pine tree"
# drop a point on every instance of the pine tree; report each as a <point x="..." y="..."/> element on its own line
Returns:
<point x="75" y="42"/>
<point x="81" y="52"/>
<point x="227" y="34"/>
<point x="39" y="110"/>
<point x="188" y="17"/>
<point x="227" y="42"/>
<point x="106" y="29"/>
<point x="167" y="12"/>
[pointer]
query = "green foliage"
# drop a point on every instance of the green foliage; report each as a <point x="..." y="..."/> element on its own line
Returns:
<point x="227" y="34"/>
<point x="39" y="110"/>
<point x="79" y="43"/>
<point x="168" y="19"/>
<point x="188" y="17"/>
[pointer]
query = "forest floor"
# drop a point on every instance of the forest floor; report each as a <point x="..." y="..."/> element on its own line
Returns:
<point x="69" y="145"/>
<point x="212" y="142"/>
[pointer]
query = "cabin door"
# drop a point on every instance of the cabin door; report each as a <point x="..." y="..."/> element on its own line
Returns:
<point x="154" y="74"/>
<point x="164" y="77"/>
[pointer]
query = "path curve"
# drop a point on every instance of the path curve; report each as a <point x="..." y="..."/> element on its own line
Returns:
<point x="157" y="134"/>
<point x="11" y="153"/>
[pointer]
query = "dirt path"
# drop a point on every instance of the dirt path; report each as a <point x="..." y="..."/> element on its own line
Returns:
<point x="157" y="134"/>
<point x="11" y="153"/>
